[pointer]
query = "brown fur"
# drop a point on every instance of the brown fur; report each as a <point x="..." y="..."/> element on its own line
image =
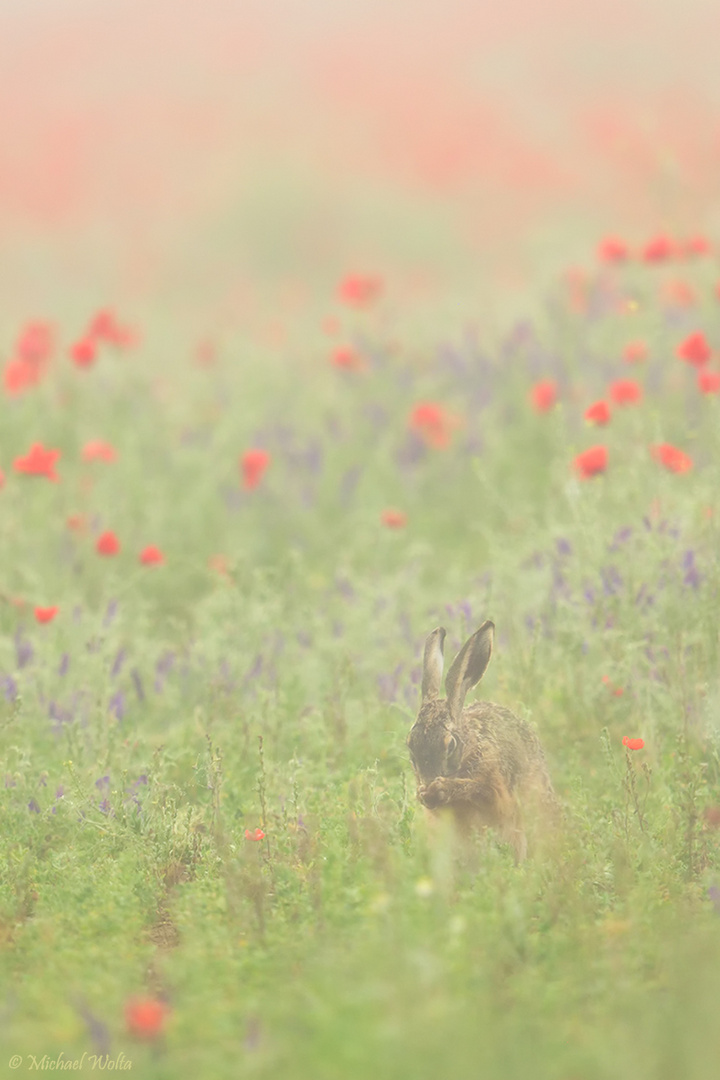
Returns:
<point x="482" y="762"/>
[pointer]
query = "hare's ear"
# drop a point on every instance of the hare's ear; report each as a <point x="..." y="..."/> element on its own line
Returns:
<point x="468" y="667"/>
<point x="433" y="665"/>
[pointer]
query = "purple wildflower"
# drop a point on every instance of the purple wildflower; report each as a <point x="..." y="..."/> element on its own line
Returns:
<point x="412" y="451"/>
<point x="110" y="613"/>
<point x="254" y="669"/>
<point x="118" y="663"/>
<point x="34" y="807"/>
<point x="137" y="683"/>
<point x="8" y="687"/>
<point x="163" y="667"/>
<point x="692" y="575"/>
<point x="344" y="587"/>
<point x="24" y="651"/>
<point x="376" y="413"/>
<point x="611" y="580"/>
<point x="388" y="684"/>
<point x="60" y="713"/>
<point x="98" y="1031"/>
<point x="349" y="482"/>
<point x="234" y="497"/>
<point x="117" y="705"/>
<point x="64" y="664"/>
<point x="620" y="537"/>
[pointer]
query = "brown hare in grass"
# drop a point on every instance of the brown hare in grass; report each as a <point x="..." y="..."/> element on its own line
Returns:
<point x="481" y="762"/>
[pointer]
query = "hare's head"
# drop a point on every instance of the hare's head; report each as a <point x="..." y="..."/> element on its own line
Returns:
<point x="436" y="739"/>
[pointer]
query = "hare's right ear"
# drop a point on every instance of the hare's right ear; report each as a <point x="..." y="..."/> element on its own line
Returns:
<point x="468" y="667"/>
<point x="433" y="665"/>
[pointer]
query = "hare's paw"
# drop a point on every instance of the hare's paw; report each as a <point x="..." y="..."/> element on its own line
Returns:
<point x="435" y="794"/>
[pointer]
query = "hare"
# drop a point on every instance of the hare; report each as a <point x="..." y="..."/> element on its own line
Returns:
<point x="481" y="761"/>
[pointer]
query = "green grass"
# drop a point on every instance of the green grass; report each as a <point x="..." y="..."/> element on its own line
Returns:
<point x="351" y="942"/>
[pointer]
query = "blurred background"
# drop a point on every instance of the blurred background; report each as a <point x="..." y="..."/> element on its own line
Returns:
<point x="223" y="162"/>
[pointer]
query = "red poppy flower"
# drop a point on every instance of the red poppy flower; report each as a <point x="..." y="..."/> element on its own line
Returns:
<point x="635" y="352"/>
<point x="694" y="349"/>
<point x="709" y="382"/>
<point x="633" y="744"/>
<point x="696" y="245"/>
<point x="46" y="614"/>
<point x="599" y="413"/>
<point x="258" y="834"/>
<point x="673" y="459"/>
<point x="612" y="250"/>
<point x="359" y="290"/>
<point x="346" y="358"/>
<point x="2" y="479"/>
<point x="394" y="519"/>
<point x="618" y="691"/>
<point x="145" y="1017"/>
<point x="77" y="522"/>
<point x="107" y="544"/>
<point x="151" y="556"/>
<point x="84" y="352"/>
<point x="544" y="395"/>
<point x="591" y="462"/>
<point x="658" y="249"/>
<point x="253" y="464"/>
<point x="17" y="376"/>
<point x="219" y="563"/>
<point x="35" y="343"/>
<point x="206" y="353"/>
<point x="97" y="450"/>
<point x="625" y="392"/>
<point x="33" y="350"/>
<point x="103" y="326"/>
<point x="38" y="462"/>
<point x="433" y="422"/>
<point x="679" y="293"/>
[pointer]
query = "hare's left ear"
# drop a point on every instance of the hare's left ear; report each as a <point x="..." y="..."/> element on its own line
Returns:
<point x="432" y="665"/>
<point x="468" y="667"/>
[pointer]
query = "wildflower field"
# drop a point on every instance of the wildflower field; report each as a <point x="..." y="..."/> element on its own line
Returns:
<point x="216" y="586"/>
<point x="323" y="326"/>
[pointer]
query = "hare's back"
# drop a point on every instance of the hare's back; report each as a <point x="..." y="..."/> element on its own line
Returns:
<point x="495" y="734"/>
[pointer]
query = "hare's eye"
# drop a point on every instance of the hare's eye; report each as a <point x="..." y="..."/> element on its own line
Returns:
<point x="451" y="745"/>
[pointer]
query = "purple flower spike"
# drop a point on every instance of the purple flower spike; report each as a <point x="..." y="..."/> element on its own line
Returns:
<point x="24" y="651"/>
<point x="137" y="683"/>
<point x="117" y="705"/>
<point x="8" y="687"/>
<point x="692" y="575"/>
<point x="110" y="613"/>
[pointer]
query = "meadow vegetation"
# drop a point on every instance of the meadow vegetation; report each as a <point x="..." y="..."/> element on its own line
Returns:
<point x="207" y="797"/>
